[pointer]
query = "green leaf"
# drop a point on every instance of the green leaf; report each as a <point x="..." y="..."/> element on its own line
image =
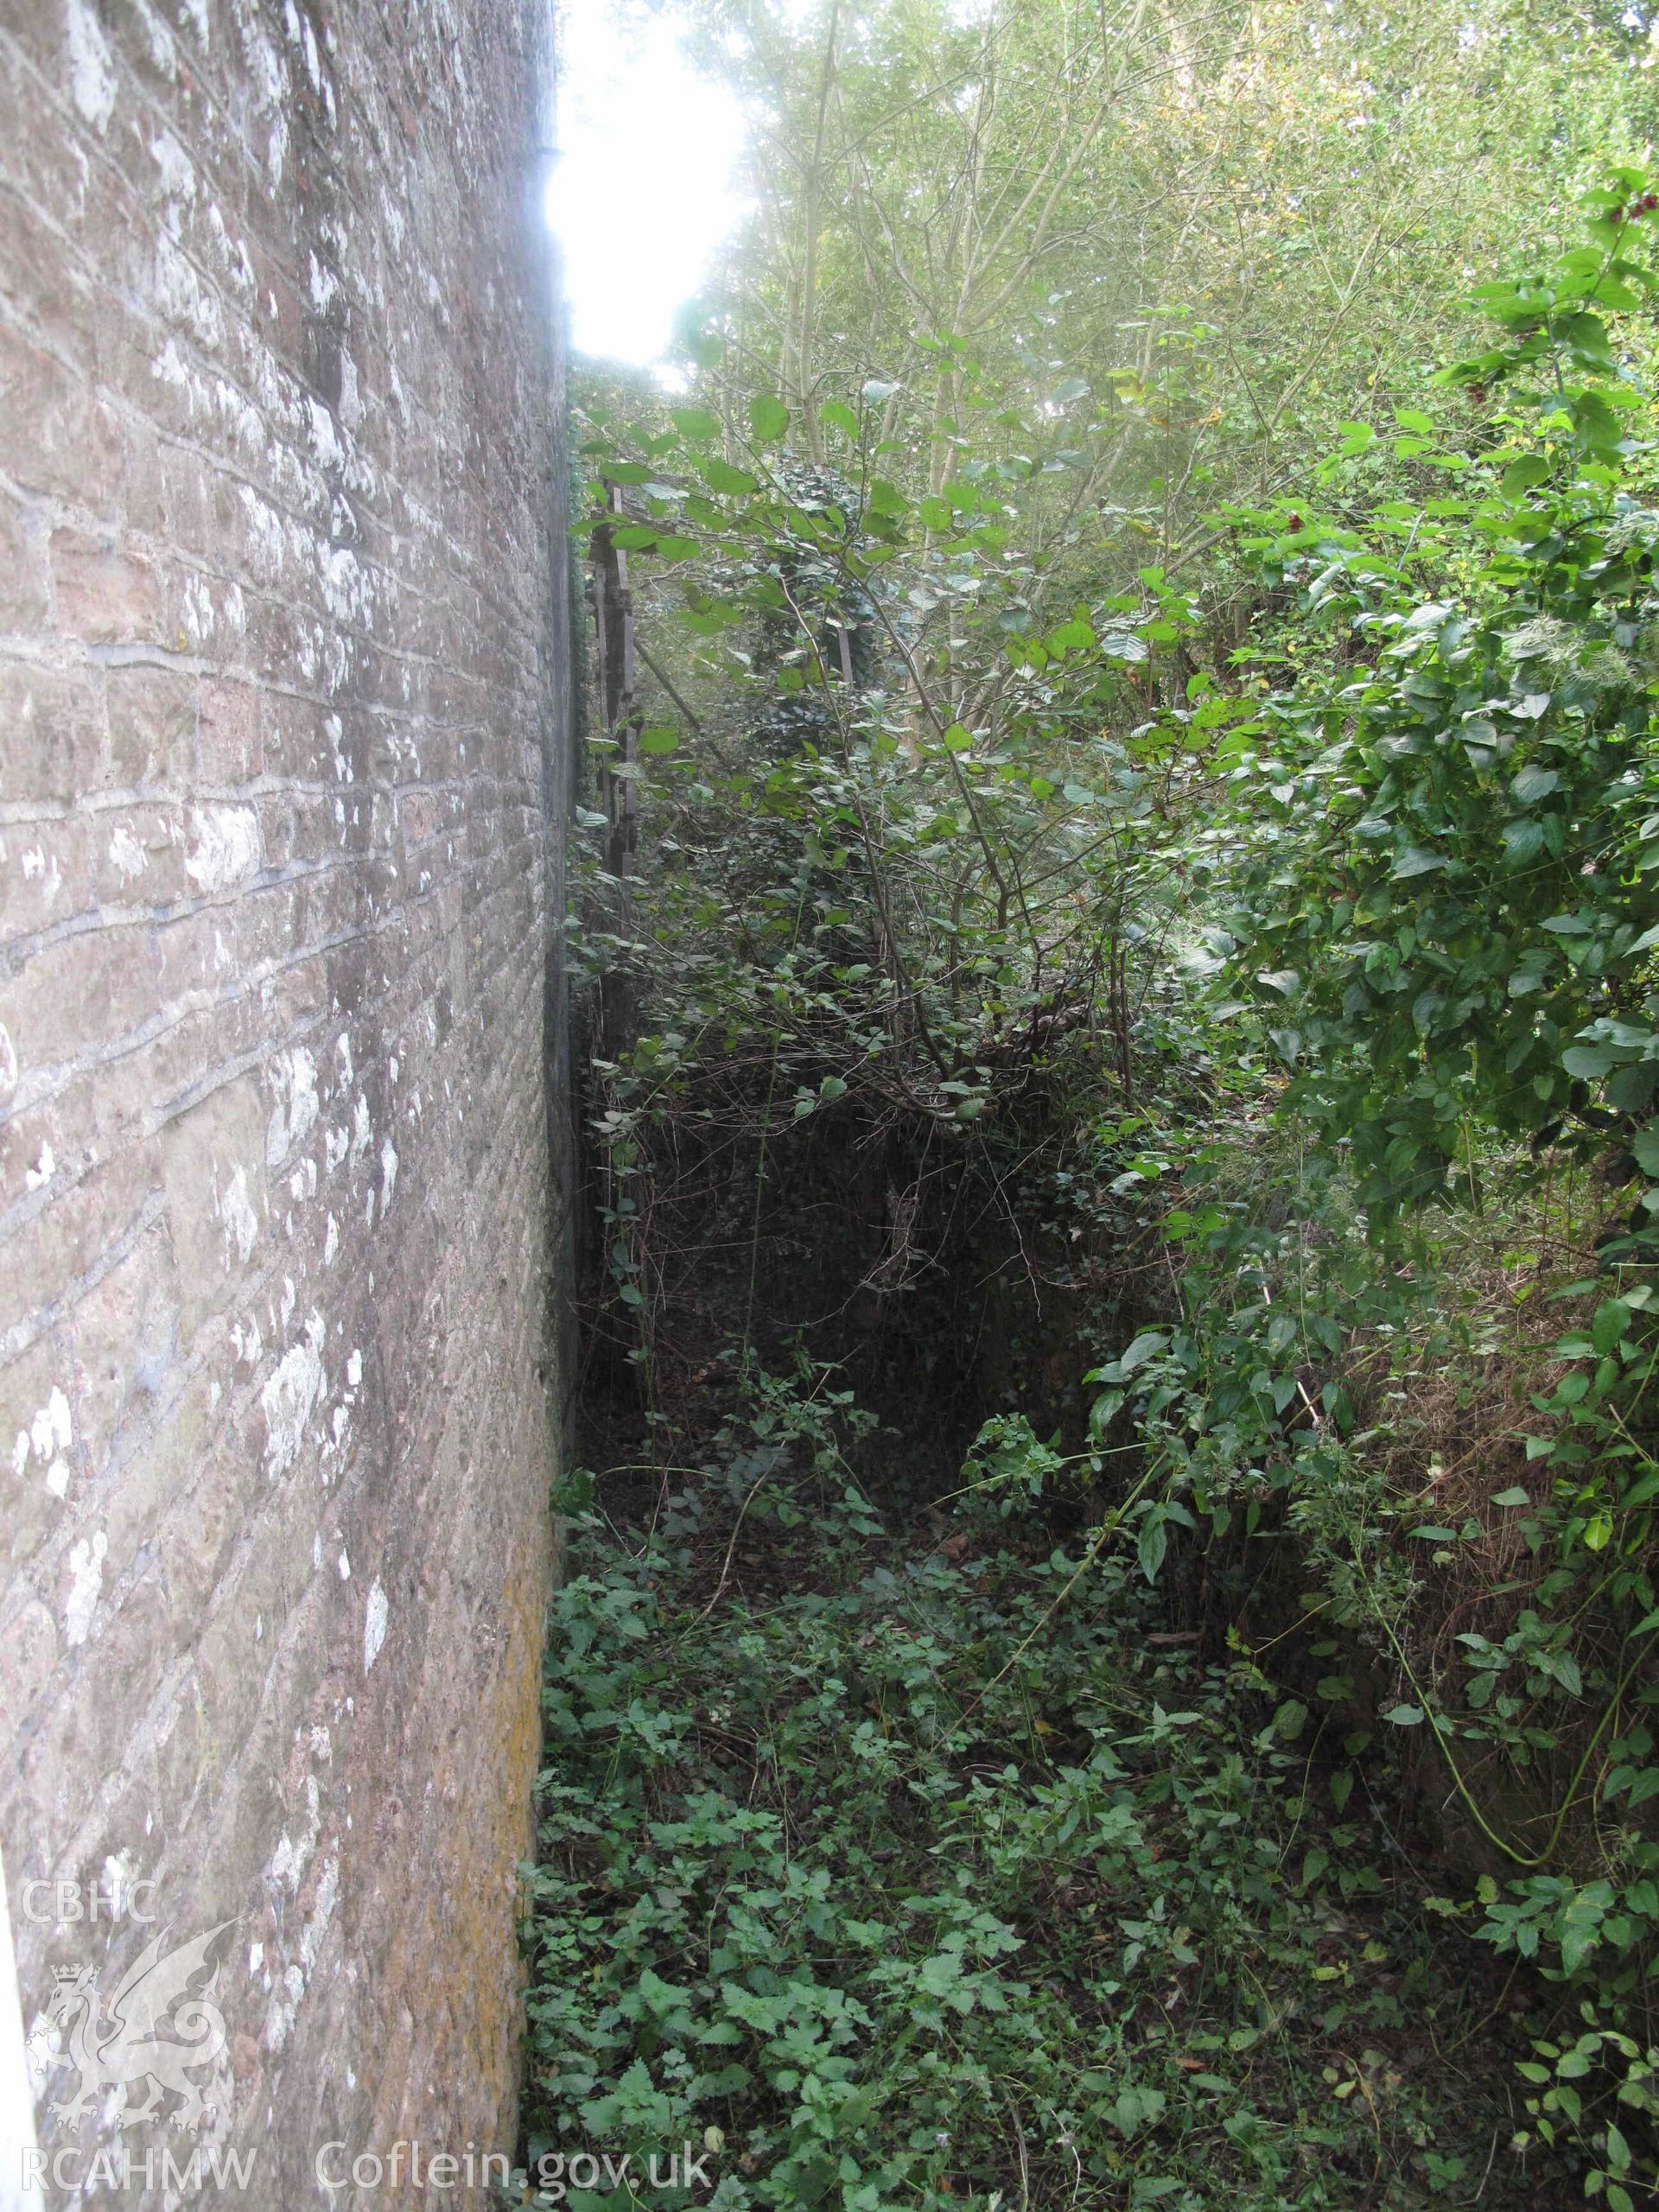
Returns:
<point x="1595" y="422"/>
<point x="1534" y="782"/>
<point x="769" y="416"/>
<point x="1404" y="1716"/>
<point x="721" y="476"/>
<point x="1587" y="1060"/>
<point x="1417" y="859"/>
<point x="1630" y="1090"/>
<point x="1152" y="1544"/>
<point x="839" y="416"/>
<point x="1521" y="475"/>
<point x="658" y="741"/>
<point x="1523" y="840"/>
<point x="1612" y="1319"/>
<point x="696" y="425"/>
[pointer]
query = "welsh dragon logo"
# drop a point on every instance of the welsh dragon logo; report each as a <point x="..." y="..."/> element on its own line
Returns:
<point x="159" y="2028"/>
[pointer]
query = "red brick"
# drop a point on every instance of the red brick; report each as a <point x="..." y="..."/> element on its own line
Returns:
<point x="57" y="437"/>
<point x="51" y="733"/>
<point x="22" y="567"/>
<point x="104" y="592"/>
<point x="81" y="993"/>
<point x="229" y="746"/>
<point x="152" y="719"/>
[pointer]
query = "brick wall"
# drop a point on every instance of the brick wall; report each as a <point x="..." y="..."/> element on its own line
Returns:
<point x="280" y="679"/>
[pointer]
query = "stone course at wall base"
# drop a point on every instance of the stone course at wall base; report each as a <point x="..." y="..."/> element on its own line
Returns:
<point x="281" y="735"/>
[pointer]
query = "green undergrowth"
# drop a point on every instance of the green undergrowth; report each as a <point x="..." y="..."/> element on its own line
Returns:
<point x="925" y="1865"/>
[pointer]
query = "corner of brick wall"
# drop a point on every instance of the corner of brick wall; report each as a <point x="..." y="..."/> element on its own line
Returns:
<point x="281" y="675"/>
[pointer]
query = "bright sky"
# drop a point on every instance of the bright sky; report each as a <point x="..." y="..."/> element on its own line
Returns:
<point x="643" y="190"/>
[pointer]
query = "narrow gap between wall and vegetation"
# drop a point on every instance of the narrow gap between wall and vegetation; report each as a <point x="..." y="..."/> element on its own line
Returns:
<point x="1106" y="1655"/>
